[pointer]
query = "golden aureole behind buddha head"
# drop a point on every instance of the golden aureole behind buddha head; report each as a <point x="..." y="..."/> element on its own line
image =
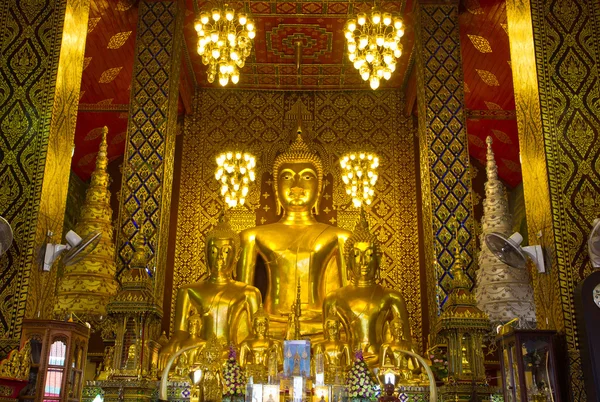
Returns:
<point x="222" y="248"/>
<point x="298" y="176"/>
<point x="362" y="252"/>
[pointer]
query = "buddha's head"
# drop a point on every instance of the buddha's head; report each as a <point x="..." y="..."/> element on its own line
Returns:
<point x="222" y="249"/>
<point x="362" y="253"/>
<point x="260" y="322"/>
<point x="298" y="174"/>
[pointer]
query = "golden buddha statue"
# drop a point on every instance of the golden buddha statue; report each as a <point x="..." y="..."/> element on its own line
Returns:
<point x="227" y="305"/>
<point x="297" y="248"/>
<point x="391" y="354"/>
<point x="363" y="305"/>
<point x="336" y="352"/>
<point x="257" y="350"/>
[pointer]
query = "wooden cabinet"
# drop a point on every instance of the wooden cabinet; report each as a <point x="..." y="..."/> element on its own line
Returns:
<point x="529" y="366"/>
<point x="58" y="353"/>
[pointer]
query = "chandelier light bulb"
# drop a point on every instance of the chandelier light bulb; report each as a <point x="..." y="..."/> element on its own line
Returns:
<point x="361" y="18"/>
<point x="224" y="42"/>
<point x="374" y="82"/>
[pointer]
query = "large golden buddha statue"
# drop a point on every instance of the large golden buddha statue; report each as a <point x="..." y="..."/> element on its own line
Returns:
<point x="364" y="306"/>
<point x="227" y="306"/>
<point x="297" y="248"/>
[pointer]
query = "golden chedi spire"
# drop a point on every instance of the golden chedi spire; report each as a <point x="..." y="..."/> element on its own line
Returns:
<point x="87" y="285"/>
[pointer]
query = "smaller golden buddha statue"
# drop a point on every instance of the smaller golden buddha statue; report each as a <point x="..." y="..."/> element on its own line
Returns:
<point x="107" y="364"/>
<point x="211" y="382"/>
<point x="392" y="355"/>
<point x="258" y="350"/>
<point x="131" y="355"/>
<point x="227" y="305"/>
<point x="363" y="305"/>
<point x="336" y="352"/>
<point x="194" y="330"/>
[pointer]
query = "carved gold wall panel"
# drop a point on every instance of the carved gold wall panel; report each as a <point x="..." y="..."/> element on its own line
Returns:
<point x="556" y="61"/>
<point x="41" y="63"/>
<point x="264" y="124"/>
<point x="445" y="179"/>
<point x="149" y="152"/>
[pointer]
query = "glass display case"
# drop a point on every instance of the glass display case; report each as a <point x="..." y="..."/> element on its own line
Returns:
<point x="58" y="351"/>
<point x="529" y="366"/>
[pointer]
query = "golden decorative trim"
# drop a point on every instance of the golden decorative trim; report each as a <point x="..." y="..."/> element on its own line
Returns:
<point x="104" y="107"/>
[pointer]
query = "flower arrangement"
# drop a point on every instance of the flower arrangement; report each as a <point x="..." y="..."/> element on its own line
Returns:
<point x="360" y="384"/>
<point x="233" y="377"/>
<point x="439" y="363"/>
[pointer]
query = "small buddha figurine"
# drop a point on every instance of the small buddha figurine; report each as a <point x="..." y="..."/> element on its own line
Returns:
<point x="227" y="305"/>
<point x="391" y="352"/>
<point x="335" y="351"/>
<point x="257" y="350"/>
<point x="194" y="330"/>
<point x="131" y="354"/>
<point x="107" y="364"/>
<point x="297" y="248"/>
<point x="388" y="393"/>
<point x="363" y="305"/>
<point x="211" y="382"/>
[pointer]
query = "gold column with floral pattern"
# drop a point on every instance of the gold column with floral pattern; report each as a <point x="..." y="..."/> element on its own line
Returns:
<point x="556" y="71"/>
<point x="41" y="64"/>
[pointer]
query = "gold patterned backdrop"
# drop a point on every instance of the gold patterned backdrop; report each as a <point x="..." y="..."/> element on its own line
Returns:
<point x="264" y="123"/>
<point x="39" y="93"/>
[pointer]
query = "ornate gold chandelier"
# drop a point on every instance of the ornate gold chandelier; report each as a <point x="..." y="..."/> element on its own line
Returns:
<point x="359" y="174"/>
<point x="235" y="172"/>
<point x="374" y="44"/>
<point x="224" y="42"/>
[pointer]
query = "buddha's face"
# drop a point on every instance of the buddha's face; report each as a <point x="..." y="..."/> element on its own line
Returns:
<point x="261" y="326"/>
<point x="364" y="261"/>
<point x="333" y="329"/>
<point x="297" y="186"/>
<point x="220" y="256"/>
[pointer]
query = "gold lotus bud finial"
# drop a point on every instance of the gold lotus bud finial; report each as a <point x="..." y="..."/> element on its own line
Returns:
<point x="223" y="230"/>
<point x="299" y="152"/>
<point x="139" y="259"/>
<point x="361" y="234"/>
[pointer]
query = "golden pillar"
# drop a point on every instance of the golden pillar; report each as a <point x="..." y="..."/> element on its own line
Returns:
<point x="445" y="180"/>
<point x="41" y="63"/>
<point x="556" y="74"/>
<point x="145" y="199"/>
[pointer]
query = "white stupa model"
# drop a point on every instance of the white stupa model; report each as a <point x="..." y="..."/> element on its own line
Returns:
<point x="502" y="290"/>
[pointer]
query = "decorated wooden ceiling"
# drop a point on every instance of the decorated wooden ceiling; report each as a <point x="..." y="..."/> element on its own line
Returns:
<point x="319" y="25"/>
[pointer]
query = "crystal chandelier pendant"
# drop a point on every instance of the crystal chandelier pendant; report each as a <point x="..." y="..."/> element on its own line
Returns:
<point x="224" y="42"/>
<point x="235" y="172"/>
<point x="374" y="44"/>
<point x="359" y="174"/>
